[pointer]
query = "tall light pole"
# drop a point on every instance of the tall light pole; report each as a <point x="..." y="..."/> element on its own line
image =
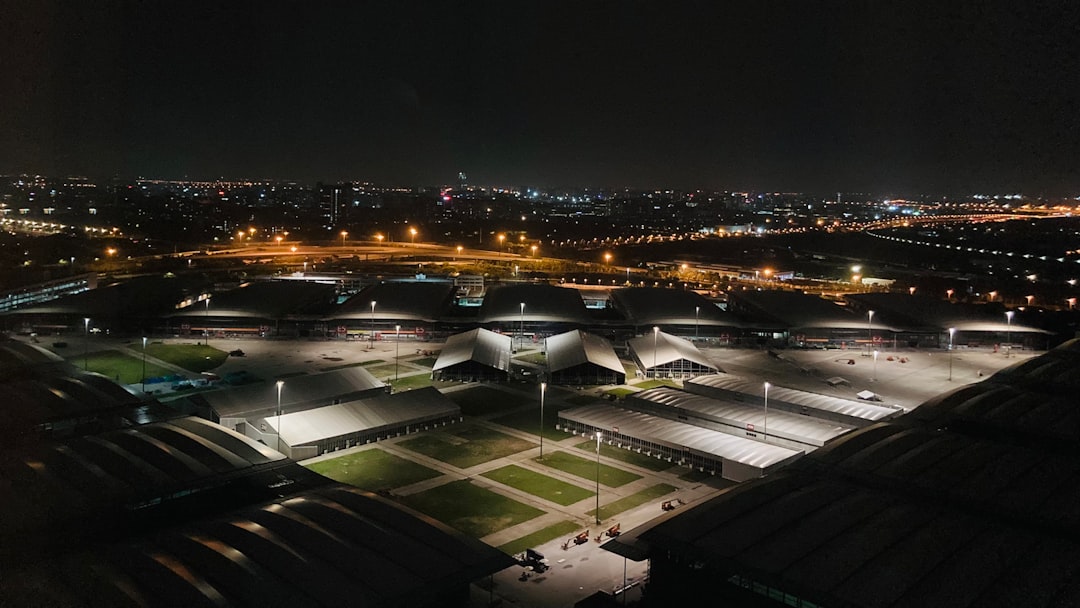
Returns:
<point x="1008" y="332"/>
<point x="412" y="236"/>
<point x="655" y="335"/>
<point x="697" y="312"/>
<point x="280" y="384"/>
<point x="599" y="435"/>
<point x="373" y="325"/>
<point x="206" y="322"/>
<point x="627" y="275"/>
<point x="543" y="389"/>
<point x="874" y="375"/>
<point x="521" y="336"/>
<point x="86" y="343"/>
<point x="344" y="233"/>
<point x="144" y="364"/>
<point x="952" y="330"/>
<point x="397" y="350"/>
<point x="765" y="430"/>
<point x="869" y="328"/>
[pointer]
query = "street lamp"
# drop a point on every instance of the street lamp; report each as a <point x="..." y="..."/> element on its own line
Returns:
<point x="206" y="322"/>
<point x="1008" y="331"/>
<point x="869" y="328"/>
<point x="86" y="343"/>
<point x="412" y="236"/>
<point x="144" y="364"/>
<point x="948" y="294"/>
<point x="344" y="233"/>
<point x="543" y="389"/>
<point x="599" y="435"/>
<point x="697" y="311"/>
<point x="873" y="377"/>
<point x="502" y="238"/>
<point x="459" y="248"/>
<point x="627" y="275"/>
<point x="533" y="250"/>
<point x="765" y="430"/>
<point x="397" y="350"/>
<point x="280" y="384"/>
<point x="952" y="330"/>
<point x="607" y="258"/>
<point x="373" y="325"/>
<point x="655" y="335"/>
<point x="521" y="336"/>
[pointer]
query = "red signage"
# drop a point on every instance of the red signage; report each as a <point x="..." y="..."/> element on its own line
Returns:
<point x="749" y="427"/>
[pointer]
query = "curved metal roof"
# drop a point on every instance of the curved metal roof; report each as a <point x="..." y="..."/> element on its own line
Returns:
<point x="723" y="382"/>
<point x="782" y="424"/>
<point x="543" y="303"/>
<point x="576" y="347"/>
<point x="662" y="306"/>
<point x="679" y="435"/>
<point x="297" y="391"/>
<point x="398" y="301"/>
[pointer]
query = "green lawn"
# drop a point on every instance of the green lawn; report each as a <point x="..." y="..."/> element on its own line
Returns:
<point x="694" y="475"/>
<point x="655" y="383"/>
<point x="385" y="371"/>
<point x="465" y="445"/>
<point x="372" y="362"/>
<point x="528" y="420"/>
<point x="627" y="456"/>
<point x="424" y="361"/>
<point x="621" y="392"/>
<point x="585" y="468"/>
<point x="331" y="368"/>
<point x="559" y="530"/>
<point x="122" y="367"/>
<point x="192" y="357"/>
<point x="582" y="400"/>
<point x="474" y="510"/>
<point x="548" y="488"/>
<point x="407" y="382"/>
<point x="537" y="358"/>
<point x="483" y="400"/>
<point x="373" y="470"/>
<point x="634" y="500"/>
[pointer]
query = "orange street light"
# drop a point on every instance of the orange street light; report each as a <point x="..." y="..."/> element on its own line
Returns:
<point x="379" y="237"/>
<point x="607" y="258"/>
<point x="534" y="250"/>
<point x="412" y="235"/>
<point x="344" y="233"/>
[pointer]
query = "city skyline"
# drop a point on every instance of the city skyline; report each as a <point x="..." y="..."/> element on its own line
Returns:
<point x="789" y="97"/>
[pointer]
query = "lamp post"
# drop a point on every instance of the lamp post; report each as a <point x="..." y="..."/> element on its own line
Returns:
<point x="952" y="330"/>
<point x="627" y="275"/>
<point x="144" y="364"/>
<point x="765" y="430"/>
<point x="397" y="350"/>
<point x="873" y="377"/>
<point x="543" y="389"/>
<point x="86" y="343"/>
<point x="206" y="322"/>
<point x="655" y="334"/>
<point x="372" y="325"/>
<point x="344" y="233"/>
<point x="599" y="435"/>
<point x="412" y="236"/>
<point x="279" y="384"/>
<point x="521" y="335"/>
<point x="1008" y="332"/>
<point x="697" y="312"/>
<point x="869" y="328"/>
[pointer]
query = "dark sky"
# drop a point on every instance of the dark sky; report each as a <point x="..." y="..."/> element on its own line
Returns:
<point x="875" y="96"/>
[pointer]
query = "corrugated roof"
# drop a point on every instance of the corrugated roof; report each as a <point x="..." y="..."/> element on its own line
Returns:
<point x="298" y="390"/>
<point x="723" y="382"/>
<point x="795" y="310"/>
<point x="331" y="546"/>
<point x="310" y="426"/>
<point x="479" y="345"/>
<point x="576" y="347"/>
<point x="679" y="435"/>
<point x="398" y="301"/>
<point x="543" y="303"/>
<point x="662" y="306"/>
<point x="668" y="349"/>
<point x="794" y="427"/>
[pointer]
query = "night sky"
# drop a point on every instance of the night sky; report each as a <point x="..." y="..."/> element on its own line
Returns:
<point x="901" y="97"/>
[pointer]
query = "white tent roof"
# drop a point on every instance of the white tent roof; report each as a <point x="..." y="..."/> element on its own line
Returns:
<point x="804" y="429"/>
<point x="668" y="349"/>
<point x="679" y="435"/>
<point x="837" y="405"/>
<point x="307" y="427"/>
<point x="576" y="347"/>
<point x="480" y="345"/>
